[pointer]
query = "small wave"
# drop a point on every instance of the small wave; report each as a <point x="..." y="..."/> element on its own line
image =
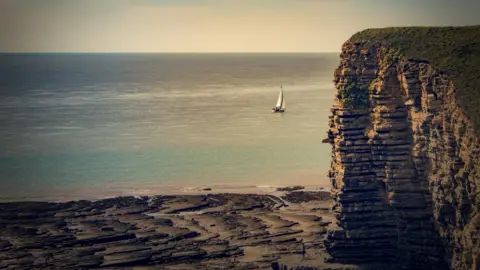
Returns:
<point x="264" y="186"/>
<point x="67" y="127"/>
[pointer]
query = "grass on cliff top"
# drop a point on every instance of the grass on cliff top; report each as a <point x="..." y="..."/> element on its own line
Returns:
<point x="452" y="50"/>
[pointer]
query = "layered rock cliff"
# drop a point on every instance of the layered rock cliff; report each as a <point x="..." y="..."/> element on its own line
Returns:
<point x="405" y="162"/>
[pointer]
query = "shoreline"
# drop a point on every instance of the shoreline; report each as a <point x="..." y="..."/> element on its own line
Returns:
<point x="186" y="231"/>
<point x="80" y="194"/>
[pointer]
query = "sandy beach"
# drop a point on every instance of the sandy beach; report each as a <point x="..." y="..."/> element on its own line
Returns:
<point x="189" y="231"/>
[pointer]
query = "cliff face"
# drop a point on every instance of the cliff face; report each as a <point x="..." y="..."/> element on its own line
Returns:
<point x="405" y="164"/>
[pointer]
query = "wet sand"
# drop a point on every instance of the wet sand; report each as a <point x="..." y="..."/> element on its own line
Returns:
<point x="195" y="231"/>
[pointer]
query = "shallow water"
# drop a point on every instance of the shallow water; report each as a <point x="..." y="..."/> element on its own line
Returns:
<point x="79" y="125"/>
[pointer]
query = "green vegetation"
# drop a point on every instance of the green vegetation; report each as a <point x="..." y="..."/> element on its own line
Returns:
<point x="354" y="96"/>
<point x="454" y="51"/>
<point x="371" y="87"/>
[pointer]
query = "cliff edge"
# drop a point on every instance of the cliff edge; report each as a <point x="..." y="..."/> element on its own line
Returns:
<point x="405" y="165"/>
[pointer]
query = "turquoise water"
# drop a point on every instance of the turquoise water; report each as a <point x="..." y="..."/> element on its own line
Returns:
<point x="81" y="126"/>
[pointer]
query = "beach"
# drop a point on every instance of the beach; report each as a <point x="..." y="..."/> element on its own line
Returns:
<point x="167" y="161"/>
<point x="202" y="231"/>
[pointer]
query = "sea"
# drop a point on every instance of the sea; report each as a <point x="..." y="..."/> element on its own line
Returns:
<point x="87" y="126"/>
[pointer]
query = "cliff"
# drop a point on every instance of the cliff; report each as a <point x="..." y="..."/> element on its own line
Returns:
<point x="405" y="155"/>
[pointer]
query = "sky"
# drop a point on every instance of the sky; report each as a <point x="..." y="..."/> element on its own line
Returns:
<point x="212" y="25"/>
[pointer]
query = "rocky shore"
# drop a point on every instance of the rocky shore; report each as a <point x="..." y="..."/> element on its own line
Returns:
<point x="211" y="231"/>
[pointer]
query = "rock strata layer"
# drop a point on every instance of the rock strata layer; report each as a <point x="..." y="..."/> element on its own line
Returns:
<point x="215" y="231"/>
<point x="405" y="164"/>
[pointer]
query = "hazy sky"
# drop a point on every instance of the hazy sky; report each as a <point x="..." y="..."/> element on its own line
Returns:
<point x="211" y="25"/>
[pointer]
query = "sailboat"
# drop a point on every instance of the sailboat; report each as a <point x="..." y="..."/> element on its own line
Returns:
<point x="280" y="106"/>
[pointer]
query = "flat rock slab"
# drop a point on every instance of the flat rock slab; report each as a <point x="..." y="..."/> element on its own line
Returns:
<point x="173" y="232"/>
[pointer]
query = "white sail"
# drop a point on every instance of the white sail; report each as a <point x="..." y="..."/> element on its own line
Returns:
<point x="280" y="100"/>
<point x="284" y="107"/>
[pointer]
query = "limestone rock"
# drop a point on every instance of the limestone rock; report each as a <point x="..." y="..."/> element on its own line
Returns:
<point x="408" y="194"/>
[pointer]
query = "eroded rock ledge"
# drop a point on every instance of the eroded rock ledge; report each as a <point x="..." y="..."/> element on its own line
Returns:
<point x="211" y="231"/>
<point x="405" y="164"/>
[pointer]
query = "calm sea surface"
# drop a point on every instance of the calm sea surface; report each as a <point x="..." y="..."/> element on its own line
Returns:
<point x="80" y="126"/>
